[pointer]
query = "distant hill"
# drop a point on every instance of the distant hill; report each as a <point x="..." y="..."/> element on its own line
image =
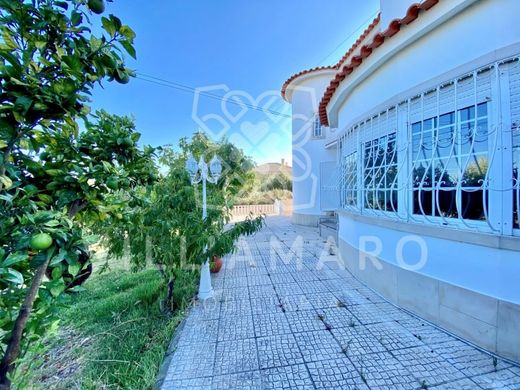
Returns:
<point x="273" y="168"/>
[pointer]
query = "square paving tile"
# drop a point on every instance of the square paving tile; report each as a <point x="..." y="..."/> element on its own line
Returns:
<point x="191" y="361"/>
<point x="338" y="317"/>
<point x="382" y="371"/>
<point x="425" y="332"/>
<point x="288" y="289"/>
<point x="318" y="345"/>
<point x="427" y="365"/>
<point x="351" y="297"/>
<point x="279" y="350"/>
<point x="370" y="294"/>
<point x="369" y="314"/>
<point x="393" y="336"/>
<point x="245" y="381"/>
<point x="188" y="384"/>
<point x="461" y="384"/>
<point x="357" y="341"/>
<point x="304" y="321"/>
<point x="236" y="356"/>
<point x="265" y="305"/>
<point x="322" y="300"/>
<point x="304" y="276"/>
<point x="281" y="278"/>
<point x="468" y="359"/>
<point x="233" y="281"/>
<point x="295" y="303"/>
<point x="503" y="379"/>
<point x="205" y="310"/>
<point x="234" y="308"/>
<point x="294" y="377"/>
<point x="336" y="374"/>
<point x="233" y="294"/>
<point x="261" y="291"/>
<point x="199" y="332"/>
<point x="312" y="287"/>
<point x="268" y="324"/>
<point x="257" y="280"/>
<point x="236" y="328"/>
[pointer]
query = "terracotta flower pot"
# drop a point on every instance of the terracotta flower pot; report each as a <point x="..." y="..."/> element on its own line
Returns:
<point x="215" y="264"/>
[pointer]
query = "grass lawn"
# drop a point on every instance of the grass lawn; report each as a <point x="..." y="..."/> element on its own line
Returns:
<point x="113" y="335"/>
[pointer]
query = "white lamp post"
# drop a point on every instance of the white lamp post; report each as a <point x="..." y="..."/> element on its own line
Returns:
<point x="199" y="173"/>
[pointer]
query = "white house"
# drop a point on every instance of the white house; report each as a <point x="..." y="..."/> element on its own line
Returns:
<point x="413" y="139"/>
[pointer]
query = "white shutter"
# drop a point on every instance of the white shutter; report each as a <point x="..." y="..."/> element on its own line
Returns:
<point x="513" y="68"/>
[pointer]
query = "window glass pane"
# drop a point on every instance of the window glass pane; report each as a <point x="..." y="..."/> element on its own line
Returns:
<point x="439" y="162"/>
<point x="380" y="172"/>
<point x="482" y="110"/>
<point x="446" y="205"/>
<point x="445" y="141"/>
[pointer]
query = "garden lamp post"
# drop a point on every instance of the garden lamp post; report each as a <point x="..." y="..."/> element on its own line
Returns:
<point x="199" y="172"/>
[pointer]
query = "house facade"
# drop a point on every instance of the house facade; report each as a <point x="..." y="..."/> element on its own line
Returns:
<point x="413" y="140"/>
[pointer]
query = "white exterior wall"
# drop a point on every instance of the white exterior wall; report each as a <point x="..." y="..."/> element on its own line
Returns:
<point x="477" y="30"/>
<point x="469" y="283"/>
<point x="308" y="152"/>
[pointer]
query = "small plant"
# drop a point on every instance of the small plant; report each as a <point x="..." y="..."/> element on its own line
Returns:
<point x="340" y="304"/>
<point x="495" y="362"/>
<point x="352" y="323"/>
<point x="345" y="348"/>
<point x="321" y="317"/>
<point x="424" y="385"/>
<point x="362" y="375"/>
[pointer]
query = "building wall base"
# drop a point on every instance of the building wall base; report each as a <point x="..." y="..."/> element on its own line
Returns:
<point x="485" y="321"/>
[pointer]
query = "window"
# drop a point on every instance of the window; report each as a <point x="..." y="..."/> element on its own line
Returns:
<point x="380" y="173"/>
<point x="317" y="127"/>
<point x="450" y="162"/>
<point x="350" y="177"/>
<point x="516" y="178"/>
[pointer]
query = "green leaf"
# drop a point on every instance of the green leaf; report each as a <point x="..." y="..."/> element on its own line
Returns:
<point x="56" y="287"/>
<point x="23" y="103"/>
<point x="129" y="48"/>
<point x="39" y="259"/>
<point x="56" y="273"/>
<point x="14" y="276"/>
<point x="76" y="18"/>
<point x="127" y="32"/>
<point x="6" y="182"/>
<point x="109" y="26"/>
<point x="58" y="258"/>
<point x="14" y="258"/>
<point x="74" y="268"/>
<point x="54" y="172"/>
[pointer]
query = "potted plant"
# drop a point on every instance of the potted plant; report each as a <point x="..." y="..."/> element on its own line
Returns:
<point x="224" y="244"/>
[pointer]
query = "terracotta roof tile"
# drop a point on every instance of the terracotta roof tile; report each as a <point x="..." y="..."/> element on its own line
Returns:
<point x="393" y="28"/>
<point x="339" y="63"/>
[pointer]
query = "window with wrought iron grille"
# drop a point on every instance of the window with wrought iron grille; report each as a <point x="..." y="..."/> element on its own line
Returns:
<point x="446" y="150"/>
<point x="350" y="178"/>
<point x="380" y="173"/>
<point x="447" y="156"/>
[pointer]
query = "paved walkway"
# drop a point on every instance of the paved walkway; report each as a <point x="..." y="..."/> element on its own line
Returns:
<point x="275" y="325"/>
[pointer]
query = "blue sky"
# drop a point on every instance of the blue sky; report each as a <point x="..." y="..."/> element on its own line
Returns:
<point x="242" y="49"/>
